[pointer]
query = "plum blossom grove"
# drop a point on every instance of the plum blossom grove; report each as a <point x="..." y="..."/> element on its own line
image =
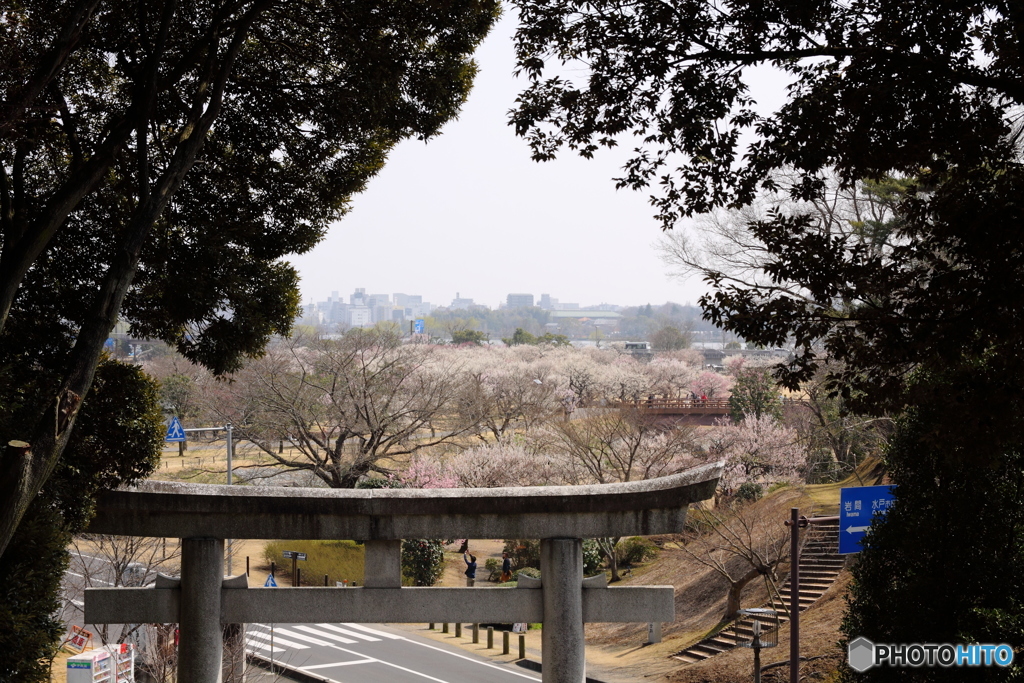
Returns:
<point x="436" y="416"/>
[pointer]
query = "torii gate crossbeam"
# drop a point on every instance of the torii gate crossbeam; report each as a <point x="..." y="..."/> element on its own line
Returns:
<point x="202" y="600"/>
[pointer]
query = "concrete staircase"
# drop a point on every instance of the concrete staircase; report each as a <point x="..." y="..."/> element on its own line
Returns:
<point x="820" y="564"/>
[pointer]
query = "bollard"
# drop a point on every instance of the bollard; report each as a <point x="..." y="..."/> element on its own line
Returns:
<point x="247" y="565"/>
<point x="522" y="646"/>
<point x="504" y="642"/>
<point x="325" y="580"/>
<point x="444" y="627"/>
<point x="490" y="637"/>
<point x="476" y="633"/>
<point x="458" y="630"/>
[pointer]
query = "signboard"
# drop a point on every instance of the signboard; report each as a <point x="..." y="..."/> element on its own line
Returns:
<point x="419" y="327"/>
<point x="270" y="582"/>
<point x="857" y="507"/>
<point x="175" y="432"/>
<point x="292" y="554"/>
<point x="78" y="639"/>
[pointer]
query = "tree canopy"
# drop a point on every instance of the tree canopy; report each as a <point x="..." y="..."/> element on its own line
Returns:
<point x="911" y="108"/>
<point x="927" y="90"/>
<point x="158" y="159"/>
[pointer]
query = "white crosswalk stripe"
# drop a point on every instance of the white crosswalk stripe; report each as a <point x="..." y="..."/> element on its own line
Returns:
<point x="373" y="631"/>
<point x="263" y="635"/>
<point x="351" y="634"/>
<point x="300" y="636"/>
<point x="251" y="643"/>
<point x="325" y="634"/>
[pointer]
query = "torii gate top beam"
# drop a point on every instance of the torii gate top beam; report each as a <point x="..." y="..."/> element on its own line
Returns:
<point x="166" y="509"/>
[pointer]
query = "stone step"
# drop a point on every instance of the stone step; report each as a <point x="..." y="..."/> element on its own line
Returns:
<point x="815" y="582"/>
<point x="809" y="593"/>
<point x="706" y="647"/>
<point x="820" y="565"/>
<point x="721" y="643"/>
<point x="805" y="600"/>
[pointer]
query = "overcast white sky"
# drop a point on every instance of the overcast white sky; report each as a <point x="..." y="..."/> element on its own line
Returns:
<point x="469" y="212"/>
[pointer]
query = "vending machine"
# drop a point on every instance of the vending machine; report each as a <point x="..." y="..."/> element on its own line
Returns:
<point x="108" y="664"/>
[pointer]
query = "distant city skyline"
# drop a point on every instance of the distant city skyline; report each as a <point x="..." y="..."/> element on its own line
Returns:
<point x="469" y="212"/>
<point x="344" y="294"/>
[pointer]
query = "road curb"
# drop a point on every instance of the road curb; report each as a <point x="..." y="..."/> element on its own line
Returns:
<point x="536" y="666"/>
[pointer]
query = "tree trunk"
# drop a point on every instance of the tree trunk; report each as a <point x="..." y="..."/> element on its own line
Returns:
<point x="608" y="548"/>
<point x="21" y="477"/>
<point x="732" y="603"/>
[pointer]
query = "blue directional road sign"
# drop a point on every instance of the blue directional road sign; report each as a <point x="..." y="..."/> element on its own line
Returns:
<point x="857" y="507"/>
<point x="419" y="327"/>
<point x="175" y="432"/>
<point x="270" y="582"/>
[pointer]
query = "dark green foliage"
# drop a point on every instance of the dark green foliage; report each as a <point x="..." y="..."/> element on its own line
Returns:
<point x="917" y="309"/>
<point x="117" y="440"/>
<point x="523" y="552"/>
<point x="521" y="336"/>
<point x="122" y="200"/>
<point x="950" y="553"/>
<point x="592" y="556"/>
<point x="468" y="337"/>
<point x="635" y="550"/>
<point x="423" y="561"/>
<point x="532" y="572"/>
<point x="748" y="492"/>
<point x="755" y="393"/>
<point x="30" y="602"/>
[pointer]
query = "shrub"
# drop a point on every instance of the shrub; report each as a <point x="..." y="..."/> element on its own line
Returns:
<point x="423" y="561"/>
<point x="749" y="492"/>
<point x="592" y="557"/>
<point x="529" y="571"/>
<point x="493" y="567"/>
<point x="523" y="552"/>
<point x="635" y="550"/>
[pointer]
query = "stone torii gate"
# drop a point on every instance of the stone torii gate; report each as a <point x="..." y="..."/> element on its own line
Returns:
<point x="202" y="601"/>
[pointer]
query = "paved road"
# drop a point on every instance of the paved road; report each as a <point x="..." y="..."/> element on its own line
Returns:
<point x="350" y="653"/>
<point x="345" y="653"/>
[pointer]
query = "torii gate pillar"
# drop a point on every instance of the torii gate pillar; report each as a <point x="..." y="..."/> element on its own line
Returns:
<point x="561" y="566"/>
<point x="202" y="573"/>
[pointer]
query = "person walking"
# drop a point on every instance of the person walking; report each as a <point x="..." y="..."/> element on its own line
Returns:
<point x="506" y="568"/>
<point x="470" y="561"/>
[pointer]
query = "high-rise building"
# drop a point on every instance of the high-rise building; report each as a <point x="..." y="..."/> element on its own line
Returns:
<point x="519" y="301"/>
<point x="458" y="302"/>
<point x="359" y="316"/>
<point x="406" y="300"/>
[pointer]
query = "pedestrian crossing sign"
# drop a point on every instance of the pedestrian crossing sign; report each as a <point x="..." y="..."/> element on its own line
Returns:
<point x="270" y="582"/>
<point x="175" y="432"/>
